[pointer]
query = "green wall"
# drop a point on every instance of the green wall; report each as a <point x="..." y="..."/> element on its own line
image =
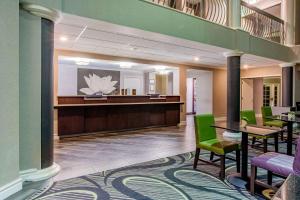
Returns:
<point x="9" y="91"/>
<point x="30" y="91"/>
<point x="151" y="17"/>
<point x="147" y="16"/>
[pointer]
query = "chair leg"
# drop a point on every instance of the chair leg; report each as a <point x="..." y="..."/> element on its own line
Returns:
<point x="270" y="175"/>
<point x="265" y="145"/>
<point x="276" y="142"/>
<point x="238" y="161"/>
<point x="253" y="178"/>
<point x="281" y="136"/>
<point x="196" y="157"/>
<point x="211" y="156"/>
<point x="253" y="141"/>
<point x="222" y="172"/>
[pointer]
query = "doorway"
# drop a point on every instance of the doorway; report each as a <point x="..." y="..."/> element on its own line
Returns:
<point x="199" y="93"/>
<point x="190" y="96"/>
<point x="271" y="92"/>
<point x="260" y="91"/>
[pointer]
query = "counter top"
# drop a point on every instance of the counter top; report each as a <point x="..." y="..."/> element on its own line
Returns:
<point x="80" y="96"/>
<point x="114" y="104"/>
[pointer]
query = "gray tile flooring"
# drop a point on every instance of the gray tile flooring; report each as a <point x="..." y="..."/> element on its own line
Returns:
<point x="89" y="154"/>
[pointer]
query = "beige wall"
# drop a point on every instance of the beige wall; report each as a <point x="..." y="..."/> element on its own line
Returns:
<point x="258" y="84"/>
<point x="261" y="72"/>
<point x="182" y="91"/>
<point x="219" y="92"/>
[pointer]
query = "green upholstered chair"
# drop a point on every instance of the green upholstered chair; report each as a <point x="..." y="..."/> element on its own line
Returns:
<point x="206" y="138"/>
<point x="249" y="117"/>
<point x="266" y="112"/>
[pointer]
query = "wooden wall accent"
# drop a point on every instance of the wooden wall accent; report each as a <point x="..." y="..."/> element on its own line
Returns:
<point x="77" y="115"/>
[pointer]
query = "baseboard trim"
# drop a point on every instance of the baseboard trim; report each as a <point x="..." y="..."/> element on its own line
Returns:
<point x="217" y="119"/>
<point x="10" y="188"/>
<point x="182" y="123"/>
<point x="39" y="175"/>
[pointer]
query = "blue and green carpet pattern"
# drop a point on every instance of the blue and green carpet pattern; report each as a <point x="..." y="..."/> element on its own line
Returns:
<point x="164" y="179"/>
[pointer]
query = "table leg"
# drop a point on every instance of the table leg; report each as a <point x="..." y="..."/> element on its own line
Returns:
<point x="290" y="138"/>
<point x="244" y="172"/>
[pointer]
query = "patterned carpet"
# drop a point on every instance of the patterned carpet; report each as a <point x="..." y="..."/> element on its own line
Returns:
<point x="164" y="179"/>
<point x="167" y="178"/>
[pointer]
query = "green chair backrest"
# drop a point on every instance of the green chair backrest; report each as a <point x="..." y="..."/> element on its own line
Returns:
<point x="203" y="129"/>
<point x="266" y="111"/>
<point x="249" y="116"/>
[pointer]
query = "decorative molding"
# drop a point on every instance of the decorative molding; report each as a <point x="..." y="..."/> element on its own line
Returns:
<point x="232" y="135"/>
<point x="38" y="175"/>
<point x="10" y="188"/>
<point x="282" y="65"/>
<point x="41" y="11"/>
<point x="233" y="53"/>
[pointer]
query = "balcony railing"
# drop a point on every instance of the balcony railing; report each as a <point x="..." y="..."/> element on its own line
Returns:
<point x="261" y="24"/>
<point x="211" y="10"/>
<point x="253" y="20"/>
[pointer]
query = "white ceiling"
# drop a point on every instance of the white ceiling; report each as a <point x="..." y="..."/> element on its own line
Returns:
<point x="94" y="36"/>
<point x="113" y="65"/>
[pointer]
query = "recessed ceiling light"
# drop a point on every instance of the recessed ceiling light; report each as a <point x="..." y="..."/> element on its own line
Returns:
<point x="126" y="65"/>
<point x="63" y="38"/>
<point x="196" y="59"/>
<point x="82" y="61"/>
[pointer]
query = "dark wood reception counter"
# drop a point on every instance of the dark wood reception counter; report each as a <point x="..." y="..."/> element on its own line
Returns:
<point x="81" y="115"/>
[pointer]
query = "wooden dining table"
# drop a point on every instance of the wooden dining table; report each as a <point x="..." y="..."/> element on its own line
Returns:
<point x="246" y="131"/>
<point x="290" y="122"/>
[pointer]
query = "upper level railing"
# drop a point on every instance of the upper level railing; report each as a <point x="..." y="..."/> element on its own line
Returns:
<point x="261" y="24"/>
<point x="253" y="20"/>
<point x="212" y="10"/>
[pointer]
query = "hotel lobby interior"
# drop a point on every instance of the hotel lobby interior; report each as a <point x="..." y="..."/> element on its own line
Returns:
<point x="150" y="99"/>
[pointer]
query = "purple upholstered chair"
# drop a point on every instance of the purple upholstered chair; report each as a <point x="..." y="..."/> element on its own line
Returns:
<point x="275" y="163"/>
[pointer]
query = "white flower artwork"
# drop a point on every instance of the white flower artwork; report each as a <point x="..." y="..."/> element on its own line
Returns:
<point x="97" y="84"/>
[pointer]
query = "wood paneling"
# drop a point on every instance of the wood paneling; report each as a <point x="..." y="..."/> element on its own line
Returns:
<point x="71" y="120"/>
<point x="70" y="100"/>
<point x="84" y="118"/>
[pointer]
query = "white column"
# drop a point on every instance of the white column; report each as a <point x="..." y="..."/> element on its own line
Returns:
<point x="234" y="14"/>
<point x="288" y="15"/>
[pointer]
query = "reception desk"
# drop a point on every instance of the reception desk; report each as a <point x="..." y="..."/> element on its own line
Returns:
<point x="81" y="115"/>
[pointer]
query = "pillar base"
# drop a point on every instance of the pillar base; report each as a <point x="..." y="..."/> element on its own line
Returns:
<point x="232" y="136"/>
<point x="34" y="175"/>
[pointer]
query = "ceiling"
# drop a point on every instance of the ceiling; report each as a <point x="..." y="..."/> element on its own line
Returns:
<point x="113" y="65"/>
<point x="94" y="36"/>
